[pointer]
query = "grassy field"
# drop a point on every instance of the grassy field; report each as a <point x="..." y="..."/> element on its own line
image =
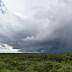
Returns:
<point x="35" y="62"/>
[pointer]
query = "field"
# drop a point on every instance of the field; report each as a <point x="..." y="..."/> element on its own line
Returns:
<point x="35" y="62"/>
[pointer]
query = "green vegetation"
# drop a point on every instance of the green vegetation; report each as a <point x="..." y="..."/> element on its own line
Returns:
<point x="35" y="62"/>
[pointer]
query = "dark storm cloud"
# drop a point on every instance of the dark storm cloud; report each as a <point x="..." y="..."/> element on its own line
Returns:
<point x="61" y="44"/>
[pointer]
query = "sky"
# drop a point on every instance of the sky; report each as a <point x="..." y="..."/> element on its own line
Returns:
<point x="36" y="26"/>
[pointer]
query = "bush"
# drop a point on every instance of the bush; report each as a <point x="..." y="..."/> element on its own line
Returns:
<point x="57" y="65"/>
<point x="65" y="68"/>
<point x="2" y="65"/>
<point x="38" y="67"/>
<point x="44" y="56"/>
<point x="4" y="70"/>
<point x="11" y="62"/>
<point x="58" y="58"/>
<point x="48" y="66"/>
<point x="7" y="60"/>
<point x="15" y="71"/>
<point x="14" y="63"/>
<point x="53" y="70"/>
<point x="68" y="53"/>
<point x="21" y="68"/>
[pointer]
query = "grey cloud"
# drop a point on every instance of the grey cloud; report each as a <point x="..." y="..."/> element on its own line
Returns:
<point x="60" y="38"/>
<point x="41" y="14"/>
<point x="37" y="8"/>
<point x="32" y="35"/>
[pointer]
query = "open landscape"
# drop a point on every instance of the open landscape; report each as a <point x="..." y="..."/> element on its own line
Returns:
<point x="36" y="62"/>
<point x="35" y="35"/>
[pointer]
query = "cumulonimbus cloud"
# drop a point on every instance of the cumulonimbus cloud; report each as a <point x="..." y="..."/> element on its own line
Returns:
<point x="38" y="32"/>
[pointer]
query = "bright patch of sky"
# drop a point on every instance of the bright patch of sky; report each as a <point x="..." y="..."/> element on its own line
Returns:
<point x="26" y="8"/>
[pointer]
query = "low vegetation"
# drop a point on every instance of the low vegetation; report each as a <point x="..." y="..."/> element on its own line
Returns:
<point x="35" y="62"/>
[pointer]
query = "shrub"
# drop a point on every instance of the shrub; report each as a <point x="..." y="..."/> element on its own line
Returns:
<point x="44" y="56"/>
<point x="4" y="70"/>
<point x="65" y="68"/>
<point x="21" y="68"/>
<point x="53" y="70"/>
<point x="11" y="62"/>
<point x="38" y="67"/>
<point x="2" y="65"/>
<point x="68" y="53"/>
<point x="48" y="66"/>
<point x="15" y="71"/>
<point x="57" y="65"/>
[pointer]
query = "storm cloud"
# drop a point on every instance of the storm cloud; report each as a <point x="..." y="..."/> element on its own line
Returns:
<point x="48" y="30"/>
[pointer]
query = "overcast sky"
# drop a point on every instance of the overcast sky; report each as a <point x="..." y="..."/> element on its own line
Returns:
<point x="43" y="26"/>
